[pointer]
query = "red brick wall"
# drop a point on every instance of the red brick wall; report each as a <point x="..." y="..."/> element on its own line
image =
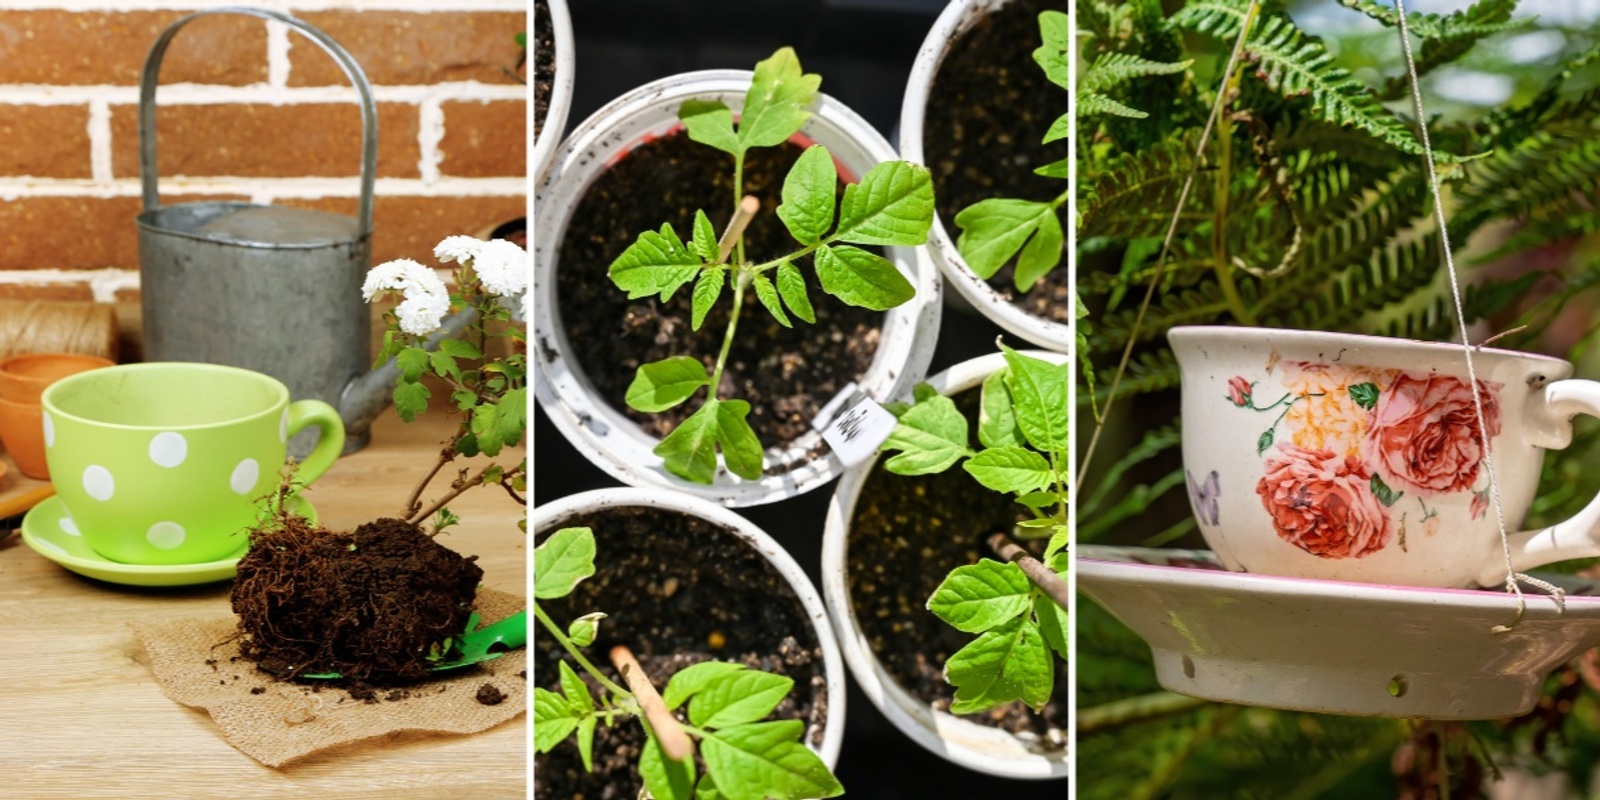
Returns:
<point x="249" y="110"/>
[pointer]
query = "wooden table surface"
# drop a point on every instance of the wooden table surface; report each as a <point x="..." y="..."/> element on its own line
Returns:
<point x="82" y="717"/>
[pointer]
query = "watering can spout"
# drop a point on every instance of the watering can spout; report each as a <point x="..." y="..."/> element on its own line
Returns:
<point x="366" y="396"/>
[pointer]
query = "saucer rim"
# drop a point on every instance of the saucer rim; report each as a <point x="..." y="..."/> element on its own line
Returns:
<point x="102" y="567"/>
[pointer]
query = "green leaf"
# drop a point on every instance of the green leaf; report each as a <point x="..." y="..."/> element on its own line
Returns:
<point x="976" y="597"/>
<point x="861" y="279"/>
<point x="412" y="361"/>
<point x="1052" y="624"/>
<point x="1056" y="169"/>
<point x="893" y="204"/>
<point x="460" y="348"/>
<point x="809" y="195"/>
<point x="511" y="417"/>
<point x="691" y="679"/>
<point x="775" y="105"/>
<point x="1060" y="129"/>
<point x="768" y="295"/>
<point x="709" y="122"/>
<point x="583" y="630"/>
<point x="410" y="399"/>
<point x="666" y="779"/>
<point x="1386" y="496"/>
<point x="553" y="719"/>
<point x="565" y="558"/>
<point x="577" y="693"/>
<point x="704" y="244"/>
<point x="1264" y="441"/>
<point x="1365" y="395"/>
<point x="992" y="231"/>
<point x="1038" y="499"/>
<point x="737" y="698"/>
<point x="657" y="263"/>
<point x="663" y="384"/>
<point x="706" y="291"/>
<point x="1041" y="254"/>
<point x="1055" y="54"/>
<point x="1015" y="470"/>
<point x="792" y="287"/>
<point x="765" y="760"/>
<point x="931" y="435"/>
<point x="690" y="451"/>
<point x="1039" y="395"/>
<point x="1003" y="664"/>
<point x="707" y="789"/>
<point x="586" y="742"/>
<point x="997" y="420"/>
<point x="741" y="450"/>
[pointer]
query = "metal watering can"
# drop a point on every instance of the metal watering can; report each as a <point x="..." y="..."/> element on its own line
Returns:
<point x="268" y="288"/>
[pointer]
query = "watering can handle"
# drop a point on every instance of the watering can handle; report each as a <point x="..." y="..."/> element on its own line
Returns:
<point x="352" y="70"/>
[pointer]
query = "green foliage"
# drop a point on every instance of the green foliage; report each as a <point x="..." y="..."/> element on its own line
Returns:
<point x="891" y="205"/>
<point x="1022" y="424"/>
<point x="747" y="757"/>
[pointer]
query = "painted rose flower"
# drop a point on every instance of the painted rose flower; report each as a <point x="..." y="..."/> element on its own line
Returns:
<point x="1239" y="391"/>
<point x="1322" y="503"/>
<point x="1424" y="433"/>
<point x="1326" y="416"/>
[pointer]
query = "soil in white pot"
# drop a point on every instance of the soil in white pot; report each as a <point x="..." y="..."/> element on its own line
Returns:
<point x="786" y="374"/>
<point x="544" y="65"/>
<point x="988" y="111"/>
<point x="678" y="591"/>
<point x="908" y="532"/>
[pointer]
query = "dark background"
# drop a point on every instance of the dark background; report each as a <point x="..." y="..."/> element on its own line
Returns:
<point x="864" y="50"/>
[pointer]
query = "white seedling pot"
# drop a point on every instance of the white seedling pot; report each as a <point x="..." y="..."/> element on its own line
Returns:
<point x="558" y="513"/>
<point x="603" y="433"/>
<point x="544" y="147"/>
<point x="956" y="739"/>
<point x="959" y="16"/>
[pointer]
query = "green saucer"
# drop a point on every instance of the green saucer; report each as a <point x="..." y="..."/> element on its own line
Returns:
<point x="42" y="530"/>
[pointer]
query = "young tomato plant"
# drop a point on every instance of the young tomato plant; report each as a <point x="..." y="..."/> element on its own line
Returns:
<point x="891" y="205"/>
<point x="1017" y="607"/>
<point x="745" y="758"/>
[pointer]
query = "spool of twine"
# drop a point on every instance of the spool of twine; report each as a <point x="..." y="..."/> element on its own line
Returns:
<point x="58" y="326"/>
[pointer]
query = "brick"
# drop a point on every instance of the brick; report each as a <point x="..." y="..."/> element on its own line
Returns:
<point x="69" y="233"/>
<point x="266" y="141"/>
<point x="73" y="290"/>
<point x="487" y="139"/>
<point x="45" y="141"/>
<point x="85" y="48"/>
<point x="397" y="48"/>
<point x="408" y="226"/>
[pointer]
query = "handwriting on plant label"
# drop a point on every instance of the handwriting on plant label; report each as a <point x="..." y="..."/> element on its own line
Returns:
<point x="856" y="433"/>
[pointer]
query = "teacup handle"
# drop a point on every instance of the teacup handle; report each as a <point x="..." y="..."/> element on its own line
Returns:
<point x="330" y="442"/>
<point x="1579" y="535"/>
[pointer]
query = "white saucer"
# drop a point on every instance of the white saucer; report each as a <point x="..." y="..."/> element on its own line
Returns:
<point x="1333" y="647"/>
<point x="42" y="531"/>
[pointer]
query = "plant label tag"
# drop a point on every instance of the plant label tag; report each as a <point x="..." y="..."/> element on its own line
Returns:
<point x="855" y="434"/>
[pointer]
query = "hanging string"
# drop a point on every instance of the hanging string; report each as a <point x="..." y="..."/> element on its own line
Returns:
<point x="1512" y="576"/>
<point x="1166" y="241"/>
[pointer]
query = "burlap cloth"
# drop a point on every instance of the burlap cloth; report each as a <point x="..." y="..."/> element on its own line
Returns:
<point x="197" y="664"/>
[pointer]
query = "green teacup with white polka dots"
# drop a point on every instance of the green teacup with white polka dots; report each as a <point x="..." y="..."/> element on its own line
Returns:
<point x="171" y="462"/>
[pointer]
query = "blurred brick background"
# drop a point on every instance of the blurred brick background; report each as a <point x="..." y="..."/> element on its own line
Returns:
<point x="249" y="110"/>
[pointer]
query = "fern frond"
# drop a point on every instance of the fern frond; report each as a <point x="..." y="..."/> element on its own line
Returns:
<point x="1111" y="69"/>
<point x="1445" y="38"/>
<point x="1094" y="103"/>
<point x="1540" y="171"/>
<point x="1130" y="195"/>
<point x="1391" y="275"/>
<point x="1436" y="322"/>
<point x="1147" y="372"/>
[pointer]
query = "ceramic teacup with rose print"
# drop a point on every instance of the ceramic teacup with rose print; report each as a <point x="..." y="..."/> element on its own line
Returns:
<point x="1361" y="458"/>
<point x="173" y="462"/>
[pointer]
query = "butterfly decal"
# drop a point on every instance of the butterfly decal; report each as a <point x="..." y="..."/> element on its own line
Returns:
<point x="1203" y="496"/>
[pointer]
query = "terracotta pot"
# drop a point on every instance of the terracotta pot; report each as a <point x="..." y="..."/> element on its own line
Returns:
<point x="24" y="377"/>
<point x="22" y="431"/>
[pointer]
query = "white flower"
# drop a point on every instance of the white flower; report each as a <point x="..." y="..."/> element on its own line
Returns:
<point x="426" y="298"/>
<point x="502" y="267"/>
<point x="458" y="248"/>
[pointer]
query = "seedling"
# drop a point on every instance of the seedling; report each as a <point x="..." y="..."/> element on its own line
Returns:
<point x="725" y="703"/>
<point x="1017" y="607"/>
<point x="892" y="205"/>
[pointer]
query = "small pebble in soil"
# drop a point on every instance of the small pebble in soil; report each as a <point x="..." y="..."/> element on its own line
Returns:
<point x="490" y="695"/>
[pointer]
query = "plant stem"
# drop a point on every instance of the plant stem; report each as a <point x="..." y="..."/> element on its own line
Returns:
<point x="1040" y="575"/>
<point x="733" y="238"/>
<point x="1135" y="709"/>
<point x="572" y="650"/>
<point x="738" y="204"/>
<point x="414" y="502"/>
<point x="675" y="744"/>
<point x="456" y="488"/>
<point x="1222" y="263"/>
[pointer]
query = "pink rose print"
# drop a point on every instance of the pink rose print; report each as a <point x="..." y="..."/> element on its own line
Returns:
<point x="1322" y="503"/>
<point x="1239" y="391"/>
<point x="1424" y="434"/>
